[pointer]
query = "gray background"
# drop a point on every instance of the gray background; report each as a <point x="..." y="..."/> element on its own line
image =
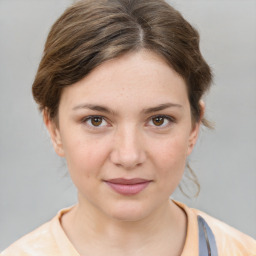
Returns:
<point x="33" y="180"/>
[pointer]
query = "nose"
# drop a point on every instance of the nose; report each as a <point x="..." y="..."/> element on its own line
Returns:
<point x="128" y="150"/>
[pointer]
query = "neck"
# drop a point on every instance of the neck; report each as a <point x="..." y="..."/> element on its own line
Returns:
<point x="85" y="225"/>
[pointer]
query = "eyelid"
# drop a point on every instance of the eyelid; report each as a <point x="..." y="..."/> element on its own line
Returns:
<point x="85" y="119"/>
<point x="170" y="119"/>
<point x="163" y="115"/>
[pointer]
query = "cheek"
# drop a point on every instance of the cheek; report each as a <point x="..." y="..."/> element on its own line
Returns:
<point x="171" y="156"/>
<point x="85" y="156"/>
<point x="170" y="165"/>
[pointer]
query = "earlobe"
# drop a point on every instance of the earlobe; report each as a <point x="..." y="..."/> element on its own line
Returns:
<point x="54" y="134"/>
<point x="195" y="129"/>
<point x="193" y="137"/>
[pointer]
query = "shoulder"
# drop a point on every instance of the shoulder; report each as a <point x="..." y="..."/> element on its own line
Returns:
<point x="229" y="240"/>
<point x="32" y="243"/>
<point x="48" y="239"/>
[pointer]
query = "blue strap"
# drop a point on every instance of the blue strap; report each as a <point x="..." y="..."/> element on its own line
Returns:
<point x="207" y="244"/>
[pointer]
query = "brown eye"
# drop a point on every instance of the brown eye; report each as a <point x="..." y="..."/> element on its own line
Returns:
<point x="96" y="121"/>
<point x="161" y="121"/>
<point x="158" y="121"/>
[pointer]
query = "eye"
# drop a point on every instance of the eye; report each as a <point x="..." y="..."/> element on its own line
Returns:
<point x="95" y="121"/>
<point x="161" y="121"/>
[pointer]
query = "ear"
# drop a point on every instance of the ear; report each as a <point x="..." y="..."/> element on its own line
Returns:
<point x="54" y="133"/>
<point x="195" y="129"/>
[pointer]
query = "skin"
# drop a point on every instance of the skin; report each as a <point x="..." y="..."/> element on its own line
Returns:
<point x="126" y="142"/>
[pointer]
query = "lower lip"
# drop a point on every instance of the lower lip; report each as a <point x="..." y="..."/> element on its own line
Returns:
<point x="128" y="189"/>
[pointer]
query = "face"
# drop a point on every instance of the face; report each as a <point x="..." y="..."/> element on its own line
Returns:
<point x="125" y="131"/>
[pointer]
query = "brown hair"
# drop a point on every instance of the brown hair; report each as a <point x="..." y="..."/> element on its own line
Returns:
<point x="91" y="32"/>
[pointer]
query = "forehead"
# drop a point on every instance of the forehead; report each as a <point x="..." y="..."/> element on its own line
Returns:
<point x="135" y="79"/>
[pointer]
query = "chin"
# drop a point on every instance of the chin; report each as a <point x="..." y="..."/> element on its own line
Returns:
<point x="129" y="211"/>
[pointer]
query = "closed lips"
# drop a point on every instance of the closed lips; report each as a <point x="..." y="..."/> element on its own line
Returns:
<point x="127" y="181"/>
<point x="128" y="186"/>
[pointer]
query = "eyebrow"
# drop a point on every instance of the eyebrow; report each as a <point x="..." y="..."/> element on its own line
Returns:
<point x="109" y="111"/>
<point x="161" y="107"/>
<point x="95" y="108"/>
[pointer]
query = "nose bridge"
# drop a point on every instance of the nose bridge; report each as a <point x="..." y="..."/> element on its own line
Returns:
<point x="128" y="148"/>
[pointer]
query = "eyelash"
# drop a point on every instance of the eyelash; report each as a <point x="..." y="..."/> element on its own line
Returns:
<point x="166" y="117"/>
<point x="170" y="120"/>
<point x="90" y="118"/>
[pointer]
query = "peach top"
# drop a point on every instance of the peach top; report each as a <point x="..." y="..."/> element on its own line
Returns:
<point x="50" y="238"/>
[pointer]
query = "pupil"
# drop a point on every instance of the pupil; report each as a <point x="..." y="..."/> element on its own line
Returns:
<point x="96" y="121"/>
<point x="158" y="121"/>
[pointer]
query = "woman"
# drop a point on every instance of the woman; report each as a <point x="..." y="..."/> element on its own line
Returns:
<point x="120" y="87"/>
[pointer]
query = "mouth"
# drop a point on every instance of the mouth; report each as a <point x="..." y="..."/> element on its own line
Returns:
<point x="128" y="186"/>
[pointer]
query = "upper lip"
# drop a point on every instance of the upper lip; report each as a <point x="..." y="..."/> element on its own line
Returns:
<point x="127" y="181"/>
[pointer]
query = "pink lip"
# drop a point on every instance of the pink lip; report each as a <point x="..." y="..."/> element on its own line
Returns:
<point x="128" y="186"/>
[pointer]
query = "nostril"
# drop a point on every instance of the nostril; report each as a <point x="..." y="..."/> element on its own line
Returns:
<point x="127" y="160"/>
<point x="128" y="149"/>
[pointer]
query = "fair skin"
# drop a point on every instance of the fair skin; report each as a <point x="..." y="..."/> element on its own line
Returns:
<point x="128" y="121"/>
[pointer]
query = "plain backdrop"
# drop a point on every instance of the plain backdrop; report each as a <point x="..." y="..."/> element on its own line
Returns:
<point x="34" y="183"/>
